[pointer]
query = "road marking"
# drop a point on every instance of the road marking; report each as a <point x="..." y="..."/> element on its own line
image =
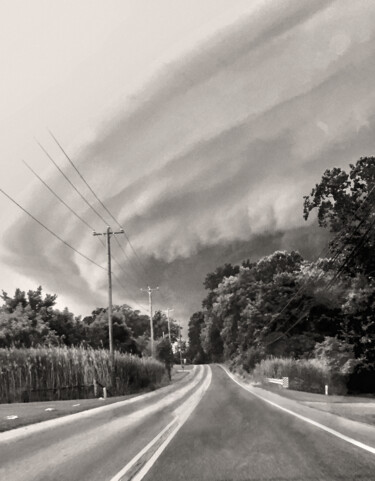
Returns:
<point x="24" y="431"/>
<point x="348" y="439"/>
<point x="134" y="462"/>
<point x="139" y="466"/>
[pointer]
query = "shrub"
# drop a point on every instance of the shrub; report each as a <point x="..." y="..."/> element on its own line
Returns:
<point x="308" y="375"/>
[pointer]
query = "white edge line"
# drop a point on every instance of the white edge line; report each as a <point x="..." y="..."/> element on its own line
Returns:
<point x="144" y="470"/>
<point x="348" y="439"/>
<point x="24" y="431"/>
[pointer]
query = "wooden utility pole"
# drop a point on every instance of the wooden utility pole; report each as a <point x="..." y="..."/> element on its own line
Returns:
<point x="179" y="332"/>
<point x="108" y="235"/>
<point x="149" y="290"/>
<point x="169" y="325"/>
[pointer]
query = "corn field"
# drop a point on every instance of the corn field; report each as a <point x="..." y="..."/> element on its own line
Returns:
<point x="48" y="373"/>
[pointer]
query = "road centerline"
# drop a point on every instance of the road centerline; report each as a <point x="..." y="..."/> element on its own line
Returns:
<point x="162" y="439"/>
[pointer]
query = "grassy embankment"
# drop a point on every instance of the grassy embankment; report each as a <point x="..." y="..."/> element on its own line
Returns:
<point x="307" y="379"/>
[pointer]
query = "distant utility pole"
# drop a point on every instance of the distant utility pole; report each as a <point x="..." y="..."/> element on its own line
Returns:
<point x="108" y="235"/>
<point x="149" y="290"/>
<point x="179" y="335"/>
<point x="168" y="310"/>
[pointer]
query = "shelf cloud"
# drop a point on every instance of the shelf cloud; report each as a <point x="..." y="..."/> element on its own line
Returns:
<point x="208" y="161"/>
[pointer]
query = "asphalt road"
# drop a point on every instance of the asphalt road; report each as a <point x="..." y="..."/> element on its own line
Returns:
<point x="230" y="435"/>
<point x="234" y="436"/>
<point x="95" y="447"/>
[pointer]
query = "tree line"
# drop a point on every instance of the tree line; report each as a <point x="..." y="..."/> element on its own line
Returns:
<point x="287" y="306"/>
<point x="30" y="319"/>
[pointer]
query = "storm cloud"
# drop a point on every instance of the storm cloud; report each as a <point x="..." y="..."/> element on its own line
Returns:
<point x="208" y="160"/>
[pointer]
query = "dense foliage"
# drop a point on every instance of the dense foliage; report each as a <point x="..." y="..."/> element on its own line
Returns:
<point x="31" y="319"/>
<point x="286" y="306"/>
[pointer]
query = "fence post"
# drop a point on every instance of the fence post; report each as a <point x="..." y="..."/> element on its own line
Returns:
<point x="105" y="392"/>
<point x="326" y="389"/>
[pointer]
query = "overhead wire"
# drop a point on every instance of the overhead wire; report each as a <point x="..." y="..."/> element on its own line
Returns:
<point x="57" y="196"/>
<point x="89" y="204"/>
<point x="98" y="199"/>
<point x="50" y="230"/>
<point x="70" y="182"/>
<point x="131" y="297"/>
<point x="50" y="189"/>
<point x="73" y="212"/>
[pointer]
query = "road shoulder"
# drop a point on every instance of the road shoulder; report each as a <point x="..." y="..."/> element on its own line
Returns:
<point x="28" y="414"/>
<point x="358" y="431"/>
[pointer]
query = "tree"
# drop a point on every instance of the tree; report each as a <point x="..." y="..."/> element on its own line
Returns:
<point x="160" y="321"/>
<point x="195" y="351"/>
<point x="164" y="353"/>
<point x="17" y="329"/>
<point x="344" y="205"/>
<point x="212" y="341"/>
<point x="25" y="318"/>
<point x="215" y="278"/>
<point x="97" y="335"/>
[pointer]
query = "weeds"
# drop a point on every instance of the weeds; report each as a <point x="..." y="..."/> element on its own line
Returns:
<point x="308" y="375"/>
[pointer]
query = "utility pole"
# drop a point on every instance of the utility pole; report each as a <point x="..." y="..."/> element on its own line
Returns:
<point x="108" y="235"/>
<point x="168" y="310"/>
<point x="179" y="335"/>
<point x="149" y="290"/>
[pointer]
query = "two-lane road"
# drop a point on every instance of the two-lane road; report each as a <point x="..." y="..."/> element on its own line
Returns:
<point x="230" y="435"/>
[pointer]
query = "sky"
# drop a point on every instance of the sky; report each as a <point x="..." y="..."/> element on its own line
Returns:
<point x="200" y="125"/>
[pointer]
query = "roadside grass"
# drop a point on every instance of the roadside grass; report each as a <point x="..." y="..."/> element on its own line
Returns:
<point x="35" y="412"/>
<point x="308" y="375"/>
<point x="357" y="408"/>
<point x="49" y="373"/>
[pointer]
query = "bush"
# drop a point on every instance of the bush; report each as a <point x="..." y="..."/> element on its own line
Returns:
<point x="362" y="379"/>
<point x="47" y="373"/>
<point x="308" y="375"/>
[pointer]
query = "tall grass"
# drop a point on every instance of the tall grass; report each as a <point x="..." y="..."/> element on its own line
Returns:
<point x="45" y="373"/>
<point x="308" y="375"/>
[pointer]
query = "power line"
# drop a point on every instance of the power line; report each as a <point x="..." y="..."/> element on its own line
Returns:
<point x="78" y="192"/>
<point x="50" y="231"/>
<point x="98" y="199"/>
<point x="131" y="297"/>
<point x="57" y="196"/>
<point x="71" y="183"/>
<point x="129" y="259"/>
<point x="73" y="212"/>
<point x="83" y="179"/>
